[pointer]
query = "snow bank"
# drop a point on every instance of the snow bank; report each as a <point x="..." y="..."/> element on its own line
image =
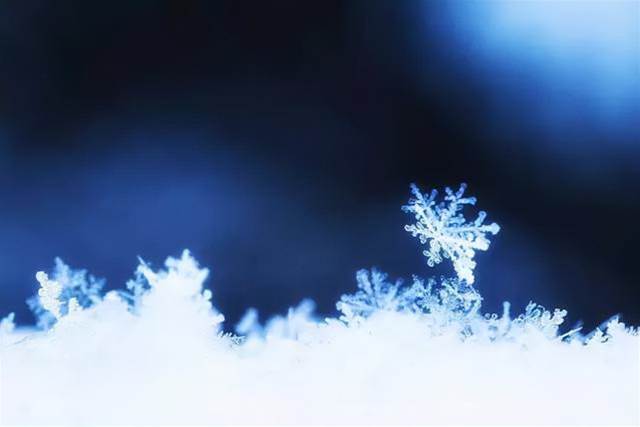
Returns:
<point x="421" y="353"/>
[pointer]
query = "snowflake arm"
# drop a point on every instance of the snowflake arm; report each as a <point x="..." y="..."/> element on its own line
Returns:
<point x="374" y="293"/>
<point x="443" y="226"/>
<point x="67" y="291"/>
<point x="49" y="294"/>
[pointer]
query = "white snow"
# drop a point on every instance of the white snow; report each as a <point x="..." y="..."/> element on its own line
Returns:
<point x="396" y="354"/>
<point x="166" y="362"/>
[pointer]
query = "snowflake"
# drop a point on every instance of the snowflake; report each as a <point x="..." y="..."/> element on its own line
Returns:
<point x="447" y="231"/>
<point x="545" y="321"/>
<point x="534" y="322"/>
<point x="49" y="294"/>
<point x="458" y="297"/>
<point x="449" y="299"/>
<point x="374" y="294"/>
<point x="67" y="291"/>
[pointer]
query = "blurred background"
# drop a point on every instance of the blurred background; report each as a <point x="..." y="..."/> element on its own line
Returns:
<point x="277" y="141"/>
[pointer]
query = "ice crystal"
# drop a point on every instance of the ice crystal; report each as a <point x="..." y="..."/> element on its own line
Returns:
<point x="538" y="317"/>
<point x="49" y="294"/>
<point x="67" y="291"/>
<point x="443" y="226"/>
<point x="448" y="297"/>
<point x="374" y="294"/>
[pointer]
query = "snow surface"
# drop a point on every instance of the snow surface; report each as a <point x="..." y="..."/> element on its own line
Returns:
<point x="421" y="353"/>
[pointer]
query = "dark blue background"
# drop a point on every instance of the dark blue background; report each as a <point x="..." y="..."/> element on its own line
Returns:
<point x="277" y="140"/>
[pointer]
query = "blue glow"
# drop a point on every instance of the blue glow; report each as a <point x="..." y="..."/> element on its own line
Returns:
<point x="563" y="69"/>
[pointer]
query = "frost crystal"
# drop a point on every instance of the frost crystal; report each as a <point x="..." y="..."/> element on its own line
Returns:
<point x="444" y="227"/>
<point x="374" y="293"/>
<point x="446" y="300"/>
<point x="537" y="317"/>
<point x="68" y="291"/>
<point x="49" y="294"/>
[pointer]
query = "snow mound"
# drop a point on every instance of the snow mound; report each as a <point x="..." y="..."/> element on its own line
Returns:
<point x="418" y="353"/>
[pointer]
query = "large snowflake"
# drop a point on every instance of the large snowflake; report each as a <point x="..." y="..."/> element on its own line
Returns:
<point x="443" y="226"/>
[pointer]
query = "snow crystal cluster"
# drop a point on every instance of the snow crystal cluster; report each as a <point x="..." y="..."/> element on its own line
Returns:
<point x="420" y="353"/>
